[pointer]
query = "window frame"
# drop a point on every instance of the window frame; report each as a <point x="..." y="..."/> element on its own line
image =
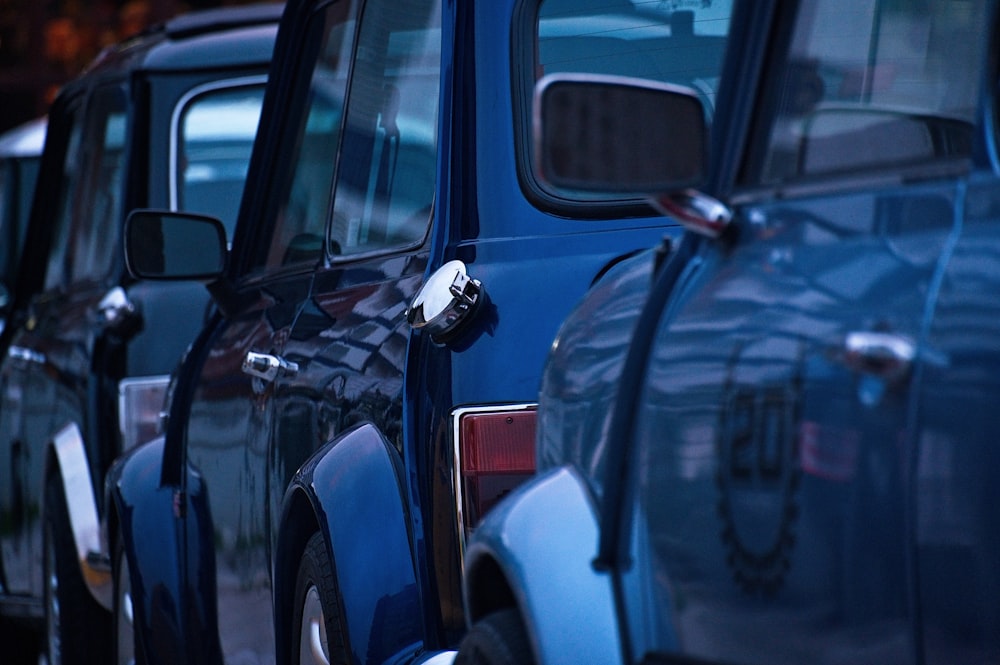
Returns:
<point x="750" y="181"/>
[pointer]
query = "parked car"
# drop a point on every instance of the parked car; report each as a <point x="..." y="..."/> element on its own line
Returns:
<point x="366" y="390"/>
<point x="20" y="155"/>
<point x="773" y="441"/>
<point x="166" y="119"/>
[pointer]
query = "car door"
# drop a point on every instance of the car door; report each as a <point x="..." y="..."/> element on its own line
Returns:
<point x="773" y="437"/>
<point x="46" y="364"/>
<point x="232" y="414"/>
<point x="956" y="459"/>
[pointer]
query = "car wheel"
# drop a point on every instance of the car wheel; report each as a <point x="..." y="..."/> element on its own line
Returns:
<point x="316" y="617"/>
<point x="497" y="639"/>
<point x="76" y="626"/>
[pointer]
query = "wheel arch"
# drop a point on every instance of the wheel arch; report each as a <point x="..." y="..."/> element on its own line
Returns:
<point x="158" y="558"/>
<point x="533" y="552"/>
<point x="66" y="462"/>
<point x="351" y="491"/>
<point x="298" y="523"/>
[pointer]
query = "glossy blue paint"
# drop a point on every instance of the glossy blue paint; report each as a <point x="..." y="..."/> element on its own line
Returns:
<point x="354" y="487"/>
<point x="568" y="606"/>
<point x="357" y="441"/>
<point x="154" y="555"/>
<point x="787" y="432"/>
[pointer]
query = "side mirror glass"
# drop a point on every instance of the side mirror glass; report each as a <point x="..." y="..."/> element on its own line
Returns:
<point x="162" y="245"/>
<point x="608" y="134"/>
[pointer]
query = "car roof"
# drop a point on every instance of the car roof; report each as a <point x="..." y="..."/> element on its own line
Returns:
<point x="26" y="140"/>
<point x="213" y="38"/>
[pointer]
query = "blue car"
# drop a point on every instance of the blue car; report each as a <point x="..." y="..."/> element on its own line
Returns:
<point x="166" y="118"/>
<point x="366" y="389"/>
<point x="773" y="441"/>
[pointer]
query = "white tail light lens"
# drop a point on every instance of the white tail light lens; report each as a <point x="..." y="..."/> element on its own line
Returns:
<point x="140" y="408"/>
<point x="496" y="453"/>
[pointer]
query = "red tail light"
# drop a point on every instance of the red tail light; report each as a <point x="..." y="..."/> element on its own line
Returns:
<point x="496" y="451"/>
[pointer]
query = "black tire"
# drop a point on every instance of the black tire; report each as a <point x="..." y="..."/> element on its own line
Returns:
<point x="81" y="635"/>
<point x="21" y="642"/>
<point x="316" y="597"/>
<point x="497" y="639"/>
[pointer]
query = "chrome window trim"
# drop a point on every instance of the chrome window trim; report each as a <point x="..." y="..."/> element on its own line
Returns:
<point x="175" y="121"/>
<point x="456" y="476"/>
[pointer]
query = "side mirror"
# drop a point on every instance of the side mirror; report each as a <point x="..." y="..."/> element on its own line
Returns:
<point x="609" y="134"/>
<point x="162" y="245"/>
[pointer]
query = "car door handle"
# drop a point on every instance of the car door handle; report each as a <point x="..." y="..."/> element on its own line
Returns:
<point x="26" y="355"/>
<point x="267" y="367"/>
<point x="884" y="355"/>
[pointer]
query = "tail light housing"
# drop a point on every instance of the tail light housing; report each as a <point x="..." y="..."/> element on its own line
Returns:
<point x="140" y="408"/>
<point x="494" y="453"/>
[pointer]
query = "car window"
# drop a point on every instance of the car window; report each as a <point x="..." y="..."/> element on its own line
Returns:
<point x="886" y="84"/>
<point x="17" y="179"/>
<point x="386" y="172"/>
<point x="681" y="43"/>
<point x="215" y="133"/>
<point x="70" y="184"/>
<point x="305" y="197"/>
<point x="95" y="230"/>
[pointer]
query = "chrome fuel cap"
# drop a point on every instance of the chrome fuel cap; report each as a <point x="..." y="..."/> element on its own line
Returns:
<point x="446" y="300"/>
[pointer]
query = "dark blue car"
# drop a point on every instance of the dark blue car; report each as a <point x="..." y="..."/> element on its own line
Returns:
<point x="20" y="155"/>
<point x="164" y="119"/>
<point x="774" y="441"/>
<point x="367" y="388"/>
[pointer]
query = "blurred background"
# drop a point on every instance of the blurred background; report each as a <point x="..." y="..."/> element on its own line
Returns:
<point x="44" y="43"/>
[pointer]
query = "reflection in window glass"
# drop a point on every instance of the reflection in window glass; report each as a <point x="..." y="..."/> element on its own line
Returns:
<point x="884" y="84"/>
<point x="385" y="182"/>
<point x="68" y="191"/>
<point x="305" y="198"/>
<point x="85" y="235"/>
<point x="678" y="42"/>
<point x="217" y="130"/>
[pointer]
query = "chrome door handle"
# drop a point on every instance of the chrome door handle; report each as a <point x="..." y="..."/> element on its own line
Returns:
<point x="115" y="308"/>
<point x="26" y="355"/>
<point x="267" y="367"/>
<point x="886" y="356"/>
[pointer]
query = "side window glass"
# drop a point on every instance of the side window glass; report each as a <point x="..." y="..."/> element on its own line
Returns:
<point x="95" y="229"/>
<point x="57" y="267"/>
<point x="8" y="230"/>
<point x="884" y="85"/>
<point x="305" y="198"/>
<point x="385" y="178"/>
<point x="681" y="43"/>
<point x="215" y="133"/>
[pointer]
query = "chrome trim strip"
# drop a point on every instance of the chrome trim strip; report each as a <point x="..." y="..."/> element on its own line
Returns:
<point x="81" y="506"/>
<point x="175" y="121"/>
<point x="456" y="476"/>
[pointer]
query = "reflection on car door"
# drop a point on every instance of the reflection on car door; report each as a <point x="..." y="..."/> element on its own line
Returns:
<point x="780" y="392"/>
<point x="957" y="522"/>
